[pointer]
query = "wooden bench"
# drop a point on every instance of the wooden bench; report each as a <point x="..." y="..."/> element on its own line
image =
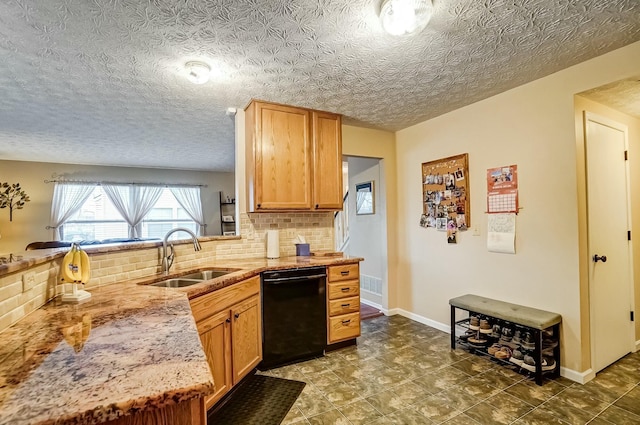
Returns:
<point x="536" y="321"/>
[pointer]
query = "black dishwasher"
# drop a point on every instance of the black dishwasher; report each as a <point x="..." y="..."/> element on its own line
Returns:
<point x="294" y="315"/>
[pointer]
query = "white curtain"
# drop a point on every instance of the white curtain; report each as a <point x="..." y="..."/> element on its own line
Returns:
<point x="133" y="202"/>
<point x="67" y="200"/>
<point x="189" y="199"/>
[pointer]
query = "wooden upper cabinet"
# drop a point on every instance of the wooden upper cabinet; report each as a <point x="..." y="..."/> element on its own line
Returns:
<point x="294" y="158"/>
<point x="327" y="161"/>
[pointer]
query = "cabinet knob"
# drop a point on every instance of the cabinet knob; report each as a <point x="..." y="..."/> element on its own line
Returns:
<point x="236" y="315"/>
<point x="228" y="320"/>
<point x="317" y="206"/>
<point x="258" y="205"/>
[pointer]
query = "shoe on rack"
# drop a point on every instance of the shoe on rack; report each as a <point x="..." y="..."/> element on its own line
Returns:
<point x="517" y="336"/>
<point x="504" y="353"/>
<point x="517" y="357"/>
<point x="485" y="326"/>
<point x="549" y="344"/>
<point x="548" y="363"/>
<point x="496" y="331"/>
<point x="507" y="335"/>
<point x="494" y="349"/>
<point x="528" y="342"/>
<point x="468" y="333"/>
<point x="478" y="341"/>
<point x="474" y="323"/>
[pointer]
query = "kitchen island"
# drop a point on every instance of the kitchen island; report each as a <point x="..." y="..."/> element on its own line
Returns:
<point x="130" y="349"/>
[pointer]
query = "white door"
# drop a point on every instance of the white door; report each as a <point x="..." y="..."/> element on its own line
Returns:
<point x="610" y="290"/>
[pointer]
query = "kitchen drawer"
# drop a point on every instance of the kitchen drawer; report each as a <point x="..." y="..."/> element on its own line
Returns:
<point x="208" y="304"/>
<point x="343" y="327"/>
<point x="344" y="272"/>
<point x="344" y="306"/>
<point x="344" y="289"/>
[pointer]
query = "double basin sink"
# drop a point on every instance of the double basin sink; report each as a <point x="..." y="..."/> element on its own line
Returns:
<point x="192" y="278"/>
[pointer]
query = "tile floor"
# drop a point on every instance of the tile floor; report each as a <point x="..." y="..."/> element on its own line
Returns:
<point x="403" y="372"/>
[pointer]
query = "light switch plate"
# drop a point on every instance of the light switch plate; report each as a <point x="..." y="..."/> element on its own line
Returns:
<point x="28" y="281"/>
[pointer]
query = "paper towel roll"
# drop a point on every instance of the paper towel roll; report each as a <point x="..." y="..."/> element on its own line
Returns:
<point x="273" y="244"/>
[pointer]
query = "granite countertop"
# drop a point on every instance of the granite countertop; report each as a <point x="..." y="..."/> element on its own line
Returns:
<point x="130" y="348"/>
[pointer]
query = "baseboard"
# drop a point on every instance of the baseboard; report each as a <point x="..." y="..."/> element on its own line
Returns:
<point x="579" y="377"/>
<point x="371" y="304"/>
<point x="421" y="319"/>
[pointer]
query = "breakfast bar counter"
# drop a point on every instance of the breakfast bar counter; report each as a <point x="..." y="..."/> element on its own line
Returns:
<point x="130" y="348"/>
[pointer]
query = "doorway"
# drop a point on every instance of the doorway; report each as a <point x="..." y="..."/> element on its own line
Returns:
<point x="609" y="246"/>
<point x="367" y="232"/>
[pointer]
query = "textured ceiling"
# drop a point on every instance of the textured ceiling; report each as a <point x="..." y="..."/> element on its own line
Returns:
<point x="100" y="81"/>
<point x="623" y="96"/>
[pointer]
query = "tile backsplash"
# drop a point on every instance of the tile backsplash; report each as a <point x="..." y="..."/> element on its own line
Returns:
<point x="18" y="299"/>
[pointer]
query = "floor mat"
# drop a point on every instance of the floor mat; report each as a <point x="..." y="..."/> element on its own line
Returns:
<point x="260" y="400"/>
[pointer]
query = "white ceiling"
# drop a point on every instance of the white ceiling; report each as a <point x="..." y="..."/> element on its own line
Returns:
<point x="101" y="81"/>
<point x="623" y="95"/>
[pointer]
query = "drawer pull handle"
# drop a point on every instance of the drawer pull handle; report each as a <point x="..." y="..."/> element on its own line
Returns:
<point x="346" y="322"/>
<point x="345" y="273"/>
<point x="344" y="289"/>
<point x="345" y="305"/>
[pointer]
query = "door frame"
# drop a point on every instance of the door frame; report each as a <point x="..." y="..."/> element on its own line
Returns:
<point x="586" y="116"/>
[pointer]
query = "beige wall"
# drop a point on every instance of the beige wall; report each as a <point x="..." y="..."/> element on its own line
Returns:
<point x="366" y="142"/>
<point x="531" y="126"/>
<point x="582" y="104"/>
<point x="29" y="224"/>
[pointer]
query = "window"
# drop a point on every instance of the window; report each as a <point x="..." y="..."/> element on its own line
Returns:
<point x="98" y="219"/>
<point x="167" y="214"/>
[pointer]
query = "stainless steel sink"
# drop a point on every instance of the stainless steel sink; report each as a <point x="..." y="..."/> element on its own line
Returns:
<point x="178" y="282"/>
<point x="206" y="274"/>
<point x="193" y="278"/>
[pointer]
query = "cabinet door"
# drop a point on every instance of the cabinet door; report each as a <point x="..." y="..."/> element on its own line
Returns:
<point x="282" y="158"/>
<point x="327" y="161"/>
<point x="246" y="337"/>
<point x="215" y="335"/>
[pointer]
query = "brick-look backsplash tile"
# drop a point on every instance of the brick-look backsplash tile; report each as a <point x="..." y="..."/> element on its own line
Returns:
<point x="107" y="268"/>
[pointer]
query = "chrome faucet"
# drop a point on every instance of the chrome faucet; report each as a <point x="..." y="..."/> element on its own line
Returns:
<point x="167" y="259"/>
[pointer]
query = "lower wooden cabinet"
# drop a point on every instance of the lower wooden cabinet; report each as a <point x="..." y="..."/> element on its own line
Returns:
<point x="229" y="323"/>
<point x="246" y="337"/>
<point x="190" y="412"/>
<point x="343" y="303"/>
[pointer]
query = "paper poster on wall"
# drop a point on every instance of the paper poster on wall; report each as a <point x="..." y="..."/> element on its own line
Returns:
<point x="501" y="233"/>
<point x="502" y="189"/>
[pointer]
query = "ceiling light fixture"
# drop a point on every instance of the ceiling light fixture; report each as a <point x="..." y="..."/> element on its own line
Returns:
<point x="403" y="17"/>
<point x="197" y="72"/>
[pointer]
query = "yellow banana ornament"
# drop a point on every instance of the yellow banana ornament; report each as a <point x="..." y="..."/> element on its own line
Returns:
<point x="67" y="265"/>
<point x="75" y="269"/>
<point x="85" y="267"/>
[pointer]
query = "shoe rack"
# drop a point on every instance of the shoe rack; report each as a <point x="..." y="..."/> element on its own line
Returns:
<point x="527" y="350"/>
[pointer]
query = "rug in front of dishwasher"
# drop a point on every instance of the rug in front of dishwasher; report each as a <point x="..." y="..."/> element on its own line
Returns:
<point x="259" y="400"/>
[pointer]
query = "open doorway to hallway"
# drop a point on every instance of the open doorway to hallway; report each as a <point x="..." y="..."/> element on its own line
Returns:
<point x="364" y="233"/>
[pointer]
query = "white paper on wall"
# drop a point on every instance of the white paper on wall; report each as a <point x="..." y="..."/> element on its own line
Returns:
<point x="501" y="233"/>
